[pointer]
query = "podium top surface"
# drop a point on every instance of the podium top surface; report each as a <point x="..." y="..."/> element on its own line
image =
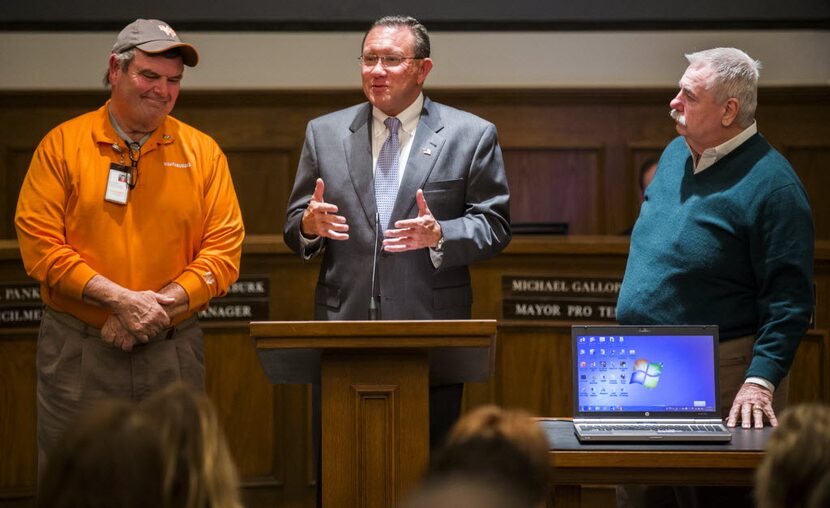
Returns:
<point x="387" y="334"/>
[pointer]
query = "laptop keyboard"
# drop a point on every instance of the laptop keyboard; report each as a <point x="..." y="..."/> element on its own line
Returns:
<point x="651" y="428"/>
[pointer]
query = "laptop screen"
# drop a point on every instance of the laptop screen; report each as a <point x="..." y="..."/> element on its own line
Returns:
<point x="645" y="371"/>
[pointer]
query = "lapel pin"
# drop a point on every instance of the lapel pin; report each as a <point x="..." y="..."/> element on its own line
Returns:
<point x="427" y="151"/>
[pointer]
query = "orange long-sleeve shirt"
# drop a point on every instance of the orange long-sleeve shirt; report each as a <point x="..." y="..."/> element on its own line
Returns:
<point x="181" y="222"/>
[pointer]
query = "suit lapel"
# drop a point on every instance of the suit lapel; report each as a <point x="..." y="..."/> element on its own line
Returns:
<point x="358" y="147"/>
<point x="425" y="149"/>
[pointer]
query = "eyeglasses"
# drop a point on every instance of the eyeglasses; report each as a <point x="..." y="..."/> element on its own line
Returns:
<point x="386" y="61"/>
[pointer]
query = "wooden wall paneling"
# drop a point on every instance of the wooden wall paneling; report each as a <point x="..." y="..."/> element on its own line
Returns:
<point x="267" y="426"/>
<point x="556" y="185"/>
<point x="532" y="355"/>
<point x="809" y="376"/>
<point x="18" y="414"/>
<point x="262" y="178"/>
<point x="292" y="279"/>
<point x="24" y="120"/>
<point x="250" y="403"/>
<point x="262" y="132"/>
<point x="793" y="117"/>
<point x="291" y="298"/>
<point x="526" y="119"/>
<point x="610" y="119"/>
<point x="15" y="163"/>
<point x="811" y="163"/>
<point x="18" y="410"/>
<point x="533" y="368"/>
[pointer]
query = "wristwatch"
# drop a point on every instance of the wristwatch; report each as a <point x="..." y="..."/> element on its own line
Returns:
<point x="440" y="246"/>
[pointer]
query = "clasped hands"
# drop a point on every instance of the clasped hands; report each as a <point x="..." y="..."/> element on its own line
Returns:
<point x="141" y="315"/>
<point x="320" y="219"/>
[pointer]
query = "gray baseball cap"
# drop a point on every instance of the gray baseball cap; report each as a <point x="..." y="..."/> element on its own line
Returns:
<point x="154" y="36"/>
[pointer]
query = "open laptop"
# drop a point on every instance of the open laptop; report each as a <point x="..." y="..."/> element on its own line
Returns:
<point x="646" y="383"/>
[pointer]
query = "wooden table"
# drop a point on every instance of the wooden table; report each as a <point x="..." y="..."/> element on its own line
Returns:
<point x="574" y="464"/>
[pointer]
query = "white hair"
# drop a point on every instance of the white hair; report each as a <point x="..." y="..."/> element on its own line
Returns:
<point x="123" y="60"/>
<point x="735" y="75"/>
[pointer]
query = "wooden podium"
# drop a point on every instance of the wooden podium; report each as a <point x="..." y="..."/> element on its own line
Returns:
<point x="374" y="378"/>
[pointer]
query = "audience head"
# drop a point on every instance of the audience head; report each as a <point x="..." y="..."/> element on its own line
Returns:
<point x="795" y="471"/>
<point x="199" y="470"/>
<point x="505" y="449"/>
<point x="647" y="170"/>
<point x="167" y="451"/>
<point x="111" y="457"/>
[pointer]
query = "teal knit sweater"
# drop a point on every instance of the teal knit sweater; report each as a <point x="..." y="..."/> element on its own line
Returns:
<point x="731" y="246"/>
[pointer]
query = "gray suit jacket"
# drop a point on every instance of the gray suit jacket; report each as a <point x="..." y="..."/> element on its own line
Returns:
<point x="456" y="160"/>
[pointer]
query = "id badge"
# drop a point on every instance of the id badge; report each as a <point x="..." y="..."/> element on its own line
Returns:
<point x="118" y="184"/>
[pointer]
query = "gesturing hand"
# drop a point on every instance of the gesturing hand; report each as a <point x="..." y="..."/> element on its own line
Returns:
<point x="410" y="234"/>
<point x="319" y="219"/>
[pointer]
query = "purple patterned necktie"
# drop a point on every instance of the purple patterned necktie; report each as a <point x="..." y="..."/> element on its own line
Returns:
<point x="386" y="173"/>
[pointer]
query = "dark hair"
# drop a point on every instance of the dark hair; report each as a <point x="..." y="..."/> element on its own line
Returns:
<point x="644" y="167"/>
<point x="419" y="31"/>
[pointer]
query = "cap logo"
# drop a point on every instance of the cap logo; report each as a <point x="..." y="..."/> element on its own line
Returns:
<point x="169" y="31"/>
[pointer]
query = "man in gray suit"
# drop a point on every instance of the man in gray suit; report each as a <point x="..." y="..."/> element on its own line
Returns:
<point x="416" y="185"/>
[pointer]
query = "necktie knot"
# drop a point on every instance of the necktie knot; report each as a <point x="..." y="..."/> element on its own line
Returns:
<point x="392" y="124"/>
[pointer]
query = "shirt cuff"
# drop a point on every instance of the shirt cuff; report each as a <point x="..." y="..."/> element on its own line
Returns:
<point x="76" y="280"/>
<point x="761" y="381"/>
<point x="305" y="242"/>
<point x="197" y="290"/>
<point x="437" y="257"/>
<point x="309" y="244"/>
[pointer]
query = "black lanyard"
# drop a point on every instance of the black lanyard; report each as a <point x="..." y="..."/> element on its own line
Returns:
<point x="134" y="149"/>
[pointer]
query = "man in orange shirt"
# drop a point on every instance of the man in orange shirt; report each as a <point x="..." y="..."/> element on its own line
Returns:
<point x="129" y="220"/>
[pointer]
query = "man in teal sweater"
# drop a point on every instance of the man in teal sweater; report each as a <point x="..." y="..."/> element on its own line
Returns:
<point x="725" y="236"/>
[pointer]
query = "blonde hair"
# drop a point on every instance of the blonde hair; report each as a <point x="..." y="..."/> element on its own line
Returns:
<point x="199" y="470"/>
<point x="795" y="471"/>
<point x="110" y="456"/>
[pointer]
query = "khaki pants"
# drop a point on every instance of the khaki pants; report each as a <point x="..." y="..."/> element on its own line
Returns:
<point x="75" y="368"/>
